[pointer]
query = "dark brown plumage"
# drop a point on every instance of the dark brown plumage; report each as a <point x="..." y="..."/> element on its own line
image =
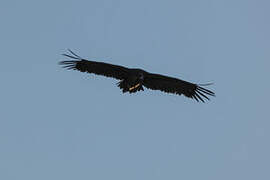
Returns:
<point x="133" y="80"/>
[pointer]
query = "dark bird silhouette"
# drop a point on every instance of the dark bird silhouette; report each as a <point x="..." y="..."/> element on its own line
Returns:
<point x="133" y="80"/>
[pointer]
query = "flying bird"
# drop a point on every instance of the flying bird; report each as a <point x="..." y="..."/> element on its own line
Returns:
<point x="133" y="80"/>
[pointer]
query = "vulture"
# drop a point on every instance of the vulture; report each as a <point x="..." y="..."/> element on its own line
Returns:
<point x="132" y="80"/>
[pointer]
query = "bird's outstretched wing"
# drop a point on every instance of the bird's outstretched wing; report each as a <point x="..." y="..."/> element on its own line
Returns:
<point x="99" y="68"/>
<point x="176" y="86"/>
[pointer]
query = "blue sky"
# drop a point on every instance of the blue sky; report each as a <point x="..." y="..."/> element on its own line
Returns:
<point x="58" y="124"/>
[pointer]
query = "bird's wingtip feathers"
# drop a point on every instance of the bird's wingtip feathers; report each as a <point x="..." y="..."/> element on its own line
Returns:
<point x="72" y="55"/>
<point x="201" y="93"/>
<point x="68" y="64"/>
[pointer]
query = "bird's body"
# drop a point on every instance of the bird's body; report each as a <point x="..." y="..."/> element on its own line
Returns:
<point x="133" y="80"/>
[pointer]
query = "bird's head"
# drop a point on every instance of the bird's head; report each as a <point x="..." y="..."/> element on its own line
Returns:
<point x="141" y="76"/>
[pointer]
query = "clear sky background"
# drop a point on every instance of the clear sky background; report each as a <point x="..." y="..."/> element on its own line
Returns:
<point x="58" y="124"/>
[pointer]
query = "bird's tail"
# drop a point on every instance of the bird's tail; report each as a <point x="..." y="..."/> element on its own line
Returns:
<point x="123" y="85"/>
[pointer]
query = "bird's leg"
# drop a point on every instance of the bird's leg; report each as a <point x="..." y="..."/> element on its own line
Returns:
<point x="133" y="87"/>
